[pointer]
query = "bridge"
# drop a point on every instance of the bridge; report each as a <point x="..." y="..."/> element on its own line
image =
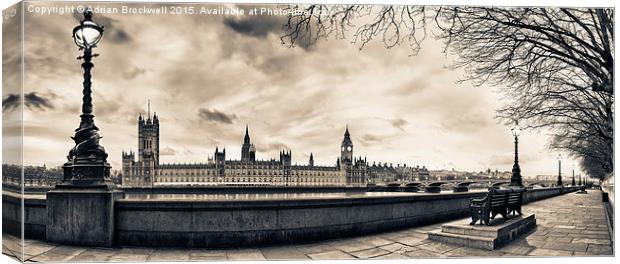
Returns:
<point x="454" y="185"/>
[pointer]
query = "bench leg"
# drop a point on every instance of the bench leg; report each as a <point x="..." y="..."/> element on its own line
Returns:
<point x="486" y="220"/>
<point x="475" y="215"/>
<point x="504" y="213"/>
<point x="474" y="219"/>
<point x="493" y="214"/>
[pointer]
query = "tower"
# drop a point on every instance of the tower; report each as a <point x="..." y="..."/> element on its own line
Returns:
<point x="311" y="161"/>
<point x="346" y="149"/>
<point x="127" y="167"/>
<point x="248" y="151"/>
<point x="148" y="145"/>
<point x="286" y="161"/>
<point x="220" y="162"/>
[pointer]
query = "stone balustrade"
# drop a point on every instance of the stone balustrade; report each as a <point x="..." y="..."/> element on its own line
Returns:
<point x="195" y="223"/>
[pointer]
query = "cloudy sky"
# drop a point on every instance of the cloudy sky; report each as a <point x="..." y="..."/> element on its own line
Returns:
<point x="209" y="76"/>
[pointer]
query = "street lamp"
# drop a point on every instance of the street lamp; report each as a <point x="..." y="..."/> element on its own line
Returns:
<point x="560" y="170"/>
<point x="573" y="183"/>
<point x="87" y="160"/>
<point x="516" y="180"/>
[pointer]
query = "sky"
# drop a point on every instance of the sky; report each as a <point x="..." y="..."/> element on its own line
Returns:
<point x="208" y="76"/>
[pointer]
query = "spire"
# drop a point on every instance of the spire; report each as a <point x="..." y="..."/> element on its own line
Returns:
<point x="246" y="138"/>
<point x="346" y="141"/>
<point x="149" y="108"/>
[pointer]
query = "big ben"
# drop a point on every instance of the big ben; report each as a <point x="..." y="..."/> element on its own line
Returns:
<point x="346" y="148"/>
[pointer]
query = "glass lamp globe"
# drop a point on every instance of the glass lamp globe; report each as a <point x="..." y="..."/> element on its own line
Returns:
<point x="88" y="33"/>
<point x="516" y="131"/>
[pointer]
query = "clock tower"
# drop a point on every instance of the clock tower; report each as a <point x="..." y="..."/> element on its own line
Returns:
<point x="346" y="148"/>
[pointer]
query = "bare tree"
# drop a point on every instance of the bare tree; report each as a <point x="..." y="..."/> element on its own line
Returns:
<point x="553" y="65"/>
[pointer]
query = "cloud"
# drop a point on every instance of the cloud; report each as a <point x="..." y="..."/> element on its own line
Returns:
<point x="10" y="102"/>
<point x="464" y="122"/>
<point x="238" y="72"/>
<point x="32" y="101"/>
<point x="120" y="37"/>
<point x="167" y="151"/>
<point x="216" y="116"/>
<point x="399" y="123"/>
<point x="133" y="73"/>
<point x="507" y="160"/>
<point x="255" y="26"/>
<point x="368" y="139"/>
<point x="274" y="146"/>
<point x="112" y="31"/>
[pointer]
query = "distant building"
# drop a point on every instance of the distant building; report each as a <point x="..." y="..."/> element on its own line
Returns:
<point x="147" y="171"/>
<point x="33" y="175"/>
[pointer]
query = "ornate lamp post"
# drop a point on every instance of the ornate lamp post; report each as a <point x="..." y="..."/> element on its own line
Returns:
<point x="87" y="161"/>
<point x="80" y="211"/>
<point x="516" y="180"/>
<point x="559" y="170"/>
<point x="580" y="179"/>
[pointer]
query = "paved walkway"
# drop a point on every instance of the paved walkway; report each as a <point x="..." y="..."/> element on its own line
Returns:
<point x="568" y="225"/>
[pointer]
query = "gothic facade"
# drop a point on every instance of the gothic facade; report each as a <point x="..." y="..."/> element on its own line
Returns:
<point x="147" y="171"/>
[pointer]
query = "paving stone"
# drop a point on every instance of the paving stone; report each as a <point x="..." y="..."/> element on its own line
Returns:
<point x="127" y="257"/>
<point x="564" y="239"/>
<point x="437" y="247"/>
<point x="245" y="254"/>
<point x="599" y="250"/>
<point x="397" y="248"/>
<point x="95" y="255"/>
<point x="37" y="248"/>
<point x="392" y="256"/>
<point x="334" y="254"/>
<point x="550" y="252"/>
<point x="137" y="251"/>
<point x="422" y="253"/>
<point x="169" y="255"/>
<point x="515" y="249"/>
<point x="207" y="255"/>
<point x="370" y="253"/>
<point x="566" y="246"/>
<point x="314" y="248"/>
<point x="350" y="245"/>
<point x="410" y="240"/>
<point x="283" y="253"/>
<point x="375" y="241"/>
<point x="468" y="252"/>
<point x="59" y="254"/>
<point x="592" y="241"/>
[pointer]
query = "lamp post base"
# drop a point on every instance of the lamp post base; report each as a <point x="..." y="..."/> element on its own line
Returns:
<point x="80" y="211"/>
<point x="81" y="216"/>
<point x="86" y="175"/>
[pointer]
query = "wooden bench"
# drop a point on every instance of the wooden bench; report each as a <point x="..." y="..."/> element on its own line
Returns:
<point x="496" y="202"/>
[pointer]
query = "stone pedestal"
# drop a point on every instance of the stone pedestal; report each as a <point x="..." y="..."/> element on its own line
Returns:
<point x="499" y="233"/>
<point x="81" y="216"/>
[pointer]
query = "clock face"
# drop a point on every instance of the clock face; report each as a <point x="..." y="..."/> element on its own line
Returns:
<point x="343" y="148"/>
<point x="349" y="148"/>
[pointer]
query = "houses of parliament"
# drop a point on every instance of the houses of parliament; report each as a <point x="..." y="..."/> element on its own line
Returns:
<point x="147" y="171"/>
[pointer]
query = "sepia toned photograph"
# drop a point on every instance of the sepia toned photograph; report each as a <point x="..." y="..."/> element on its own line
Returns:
<point x="173" y="132"/>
